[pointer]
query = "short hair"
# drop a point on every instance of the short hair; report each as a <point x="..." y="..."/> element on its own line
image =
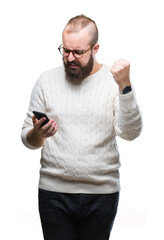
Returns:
<point x="80" y="22"/>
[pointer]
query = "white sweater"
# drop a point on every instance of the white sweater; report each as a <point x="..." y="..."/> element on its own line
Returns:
<point x="82" y="157"/>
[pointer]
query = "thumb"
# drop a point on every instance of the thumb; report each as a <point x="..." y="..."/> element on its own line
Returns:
<point x="34" y="119"/>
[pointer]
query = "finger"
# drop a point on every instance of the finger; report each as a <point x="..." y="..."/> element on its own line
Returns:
<point x="51" y="128"/>
<point x="38" y="123"/>
<point x="122" y="63"/>
<point x="118" y="65"/>
<point x="53" y="132"/>
<point x="115" y="70"/>
<point x="47" y="125"/>
<point x="34" y="119"/>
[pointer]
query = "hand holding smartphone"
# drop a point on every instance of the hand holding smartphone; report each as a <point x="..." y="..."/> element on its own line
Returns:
<point x="48" y="131"/>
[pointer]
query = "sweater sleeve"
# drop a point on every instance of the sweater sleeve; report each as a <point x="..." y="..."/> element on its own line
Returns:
<point x="127" y="116"/>
<point x="37" y="103"/>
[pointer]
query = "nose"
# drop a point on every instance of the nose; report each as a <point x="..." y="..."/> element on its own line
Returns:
<point x="71" y="57"/>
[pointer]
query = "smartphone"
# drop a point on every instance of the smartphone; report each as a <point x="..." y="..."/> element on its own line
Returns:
<point x="39" y="115"/>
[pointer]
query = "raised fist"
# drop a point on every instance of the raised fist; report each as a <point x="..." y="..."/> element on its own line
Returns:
<point x="120" y="71"/>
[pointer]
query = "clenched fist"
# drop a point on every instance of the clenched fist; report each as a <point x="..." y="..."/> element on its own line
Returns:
<point x="120" y="71"/>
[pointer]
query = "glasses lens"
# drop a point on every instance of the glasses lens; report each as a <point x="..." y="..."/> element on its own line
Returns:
<point x="65" y="52"/>
<point x="78" y="54"/>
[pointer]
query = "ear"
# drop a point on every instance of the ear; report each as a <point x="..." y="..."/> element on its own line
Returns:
<point x="95" y="48"/>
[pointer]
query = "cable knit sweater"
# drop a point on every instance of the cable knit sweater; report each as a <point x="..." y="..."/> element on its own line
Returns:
<point x="82" y="157"/>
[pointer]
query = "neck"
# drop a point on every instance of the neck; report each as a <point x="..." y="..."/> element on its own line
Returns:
<point x="96" y="67"/>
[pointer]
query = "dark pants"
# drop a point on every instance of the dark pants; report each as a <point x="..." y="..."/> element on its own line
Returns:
<point x="67" y="216"/>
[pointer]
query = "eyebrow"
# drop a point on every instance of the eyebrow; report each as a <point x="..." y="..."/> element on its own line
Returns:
<point x="73" y="49"/>
<point x="80" y="50"/>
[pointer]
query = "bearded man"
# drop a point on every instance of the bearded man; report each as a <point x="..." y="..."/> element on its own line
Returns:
<point x="88" y="105"/>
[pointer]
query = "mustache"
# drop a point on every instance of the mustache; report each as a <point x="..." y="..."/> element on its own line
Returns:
<point x="73" y="63"/>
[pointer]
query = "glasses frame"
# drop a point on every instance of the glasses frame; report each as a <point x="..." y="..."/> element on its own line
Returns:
<point x="73" y="51"/>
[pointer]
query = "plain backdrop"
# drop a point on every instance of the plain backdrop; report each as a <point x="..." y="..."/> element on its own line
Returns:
<point x="30" y="35"/>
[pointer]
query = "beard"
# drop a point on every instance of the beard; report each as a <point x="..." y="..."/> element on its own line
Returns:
<point x="77" y="75"/>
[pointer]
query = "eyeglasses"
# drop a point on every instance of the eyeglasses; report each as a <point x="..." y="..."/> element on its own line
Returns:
<point x="76" y="53"/>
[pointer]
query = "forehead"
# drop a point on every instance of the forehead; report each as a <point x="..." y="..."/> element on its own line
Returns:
<point x="76" y="38"/>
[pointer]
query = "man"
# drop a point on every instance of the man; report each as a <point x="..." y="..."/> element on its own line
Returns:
<point x="88" y="104"/>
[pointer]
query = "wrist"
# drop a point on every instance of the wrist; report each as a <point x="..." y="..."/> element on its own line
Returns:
<point x="123" y="83"/>
<point x="34" y="138"/>
<point x="126" y="90"/>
